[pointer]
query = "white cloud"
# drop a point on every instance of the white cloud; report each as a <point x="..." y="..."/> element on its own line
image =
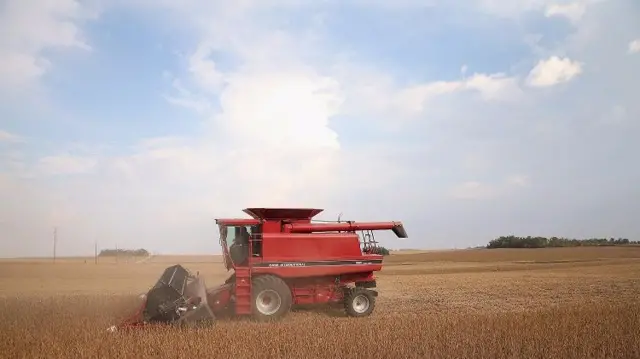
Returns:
<point x="286" y="109"/>
<point x="494" y="86"/>
<point x="417" y="98"/>
<point x="204" y="70"/>
<point x="9" y="137"/>
<point x="573" y="11"/>
<point x="266" y="120"/>
<point x="187" y="99"/>
<point x="16" y="69"/>
<point x="36" y="26"/>
<point x="473" y="190"/>
<point x="510" y="9"/>
<point x="475" y="161"/>
<point x="413" y="99"/>
<point x="634" y="46"/>
<point x="617" y="115"/>
<point x="476" y="190"/>
<point x="518" y="180"/>
<point x="65" y="164"/>
<point x="395" y="5"/>
<point x="269" y="143"/>
<point x="553" y="71"/>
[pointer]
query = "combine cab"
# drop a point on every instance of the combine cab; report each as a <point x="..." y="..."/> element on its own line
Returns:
<point x="280" y="258"/>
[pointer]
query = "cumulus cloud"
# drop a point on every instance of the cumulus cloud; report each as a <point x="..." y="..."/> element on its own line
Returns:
<point x="510" y="9"/>
<point x="473" y="190"/>
<point x="65" y="164"/>
<point x="9" y="137"/>
<point x="554" y="71"/>
<point x="573" y="11"/>
<point x="35" y="27"/>
<point x="373" y="95"/>
<point x="476" y="190"/>
<point x="634" y="46"/>
<point x="204" y="70"/>
<point x="518" y="180"/>
<point x="494" y="86"/>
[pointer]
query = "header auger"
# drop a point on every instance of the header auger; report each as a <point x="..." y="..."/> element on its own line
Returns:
<point x="280" y="258"/>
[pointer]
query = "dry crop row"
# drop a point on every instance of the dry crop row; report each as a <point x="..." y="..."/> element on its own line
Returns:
<point x="548" y="255"/>
<point x="75" y="327"/>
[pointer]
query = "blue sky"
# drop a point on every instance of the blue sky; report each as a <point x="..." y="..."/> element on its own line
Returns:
<point x="135" y="123"/>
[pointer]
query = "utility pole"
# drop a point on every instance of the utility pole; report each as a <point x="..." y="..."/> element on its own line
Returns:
<point x="55" y="242"/>
<point x="95" y="253"/>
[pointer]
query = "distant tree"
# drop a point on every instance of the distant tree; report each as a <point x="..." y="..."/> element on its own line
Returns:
<point x="124" y="252"/>
<point x="542" y="242"/>
<point x="380" y="250"/>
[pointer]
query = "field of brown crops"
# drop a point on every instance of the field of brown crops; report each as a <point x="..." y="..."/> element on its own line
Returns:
<point x="528" y="303"/>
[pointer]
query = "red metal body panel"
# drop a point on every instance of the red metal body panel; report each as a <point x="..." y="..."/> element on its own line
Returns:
<point x="298" y="227"/>
<point x="310" y="247"/>
<point x="316" y="271"/>
<point x="237" y="222"/>
<point x="293" y="214"/>
<point x="219" y="297"/>
<point x="345" y="226"/>
<point x="323" y="289"/>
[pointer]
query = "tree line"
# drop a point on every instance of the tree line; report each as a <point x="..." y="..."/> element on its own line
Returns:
<point x="379" y="250"/>
<point x="124" y="252"/>
<point x="543" y="242"/>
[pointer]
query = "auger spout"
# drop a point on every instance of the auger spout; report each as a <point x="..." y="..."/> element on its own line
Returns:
<point x="396" y="227"/>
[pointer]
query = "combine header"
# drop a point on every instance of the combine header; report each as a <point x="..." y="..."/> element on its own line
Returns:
<point x="280" y="258"/>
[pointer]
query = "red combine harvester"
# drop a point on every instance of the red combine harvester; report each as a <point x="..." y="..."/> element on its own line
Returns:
<point x="280" y="258"/>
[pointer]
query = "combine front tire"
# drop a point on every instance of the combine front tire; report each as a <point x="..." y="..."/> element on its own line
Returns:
<point x="271" y="299"/>
<point x="359" y="302"/>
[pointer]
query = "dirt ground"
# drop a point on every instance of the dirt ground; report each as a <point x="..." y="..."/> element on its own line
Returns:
<point x="563" y="302"/>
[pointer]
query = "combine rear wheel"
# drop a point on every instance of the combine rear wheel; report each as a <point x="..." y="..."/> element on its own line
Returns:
<point x="271" y="299"/>
<point x="359" y="302"/>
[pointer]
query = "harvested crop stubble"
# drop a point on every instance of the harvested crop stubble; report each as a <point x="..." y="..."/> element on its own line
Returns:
<point x="571" y="254"/>
<point x="74" y="327"/>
